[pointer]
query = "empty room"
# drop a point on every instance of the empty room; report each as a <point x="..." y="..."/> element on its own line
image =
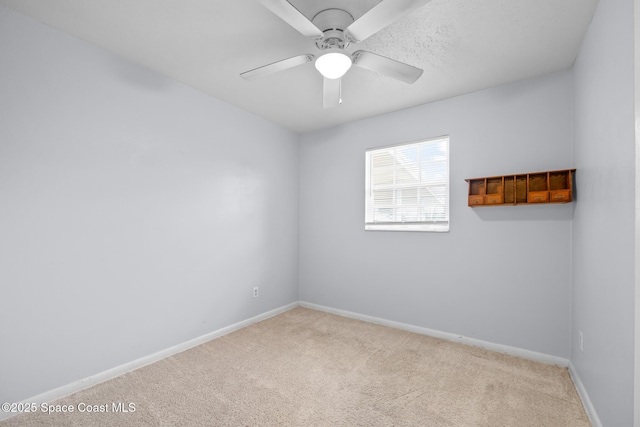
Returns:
<point x="303" y="213"/>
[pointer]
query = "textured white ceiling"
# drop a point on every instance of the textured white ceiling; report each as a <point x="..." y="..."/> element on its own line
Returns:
<point x="462" y="45"/>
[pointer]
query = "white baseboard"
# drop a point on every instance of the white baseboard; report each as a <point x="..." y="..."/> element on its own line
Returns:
<point x="505" y="349"/>
<point x="74" y="387"/>
<point x="582" y="392"/>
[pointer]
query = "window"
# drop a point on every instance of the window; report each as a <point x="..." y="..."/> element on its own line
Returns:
<point x="407" y="186"/>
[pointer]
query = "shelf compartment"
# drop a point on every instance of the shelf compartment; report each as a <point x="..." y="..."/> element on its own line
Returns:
<point x="560" y="186"/>
<point x="477" y="191"/>
<point x="510" y="189"/>
<point x="521" y="188"/>
<point x="495" y="191"/>
<point x="538" y="188"/>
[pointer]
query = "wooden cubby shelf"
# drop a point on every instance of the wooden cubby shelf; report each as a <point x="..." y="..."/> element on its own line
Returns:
<point x="527" y="188"/>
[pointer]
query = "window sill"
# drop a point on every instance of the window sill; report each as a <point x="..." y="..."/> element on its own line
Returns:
<point x="434" y="228"/>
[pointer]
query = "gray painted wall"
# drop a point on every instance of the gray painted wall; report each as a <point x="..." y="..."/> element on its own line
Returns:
<point x="603" y="224"/>
<point x="501" y="274"/>
<point x="135" y="212"/>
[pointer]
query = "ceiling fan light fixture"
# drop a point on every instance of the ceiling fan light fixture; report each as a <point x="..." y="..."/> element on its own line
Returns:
<point x="334" y="65"/>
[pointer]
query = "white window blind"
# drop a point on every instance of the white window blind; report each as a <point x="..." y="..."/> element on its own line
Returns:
<point x="407" y="186"/>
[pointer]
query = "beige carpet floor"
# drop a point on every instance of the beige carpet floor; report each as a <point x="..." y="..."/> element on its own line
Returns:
<point x="310" y="368"/>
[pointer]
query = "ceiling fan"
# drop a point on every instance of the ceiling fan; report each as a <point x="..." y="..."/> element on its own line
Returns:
<point x="334" y="30"/>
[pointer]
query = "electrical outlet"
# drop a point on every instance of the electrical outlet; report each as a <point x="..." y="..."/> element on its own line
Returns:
<point x="255" y="292"/>
<point x="581" y="340"/>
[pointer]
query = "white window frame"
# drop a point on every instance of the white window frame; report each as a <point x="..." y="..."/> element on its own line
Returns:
<point x="426" y="225"/>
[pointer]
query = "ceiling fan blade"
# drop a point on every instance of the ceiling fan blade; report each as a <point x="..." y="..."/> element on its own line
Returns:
<point x="381" y="15"/>
<point x="277" y="66"/>
<point x="292" y="16"/>
<point x="387" y="66"/>
<point x="331" y="93"/>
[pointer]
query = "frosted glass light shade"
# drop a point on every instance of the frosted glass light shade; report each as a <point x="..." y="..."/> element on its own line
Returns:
<point x="333" y="65"/>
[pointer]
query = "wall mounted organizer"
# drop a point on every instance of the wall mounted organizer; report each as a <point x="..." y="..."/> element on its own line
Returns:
<point x="528" y="188"/>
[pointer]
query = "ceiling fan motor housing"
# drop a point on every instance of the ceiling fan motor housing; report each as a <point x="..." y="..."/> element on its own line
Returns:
<point x="332" y="22"/>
